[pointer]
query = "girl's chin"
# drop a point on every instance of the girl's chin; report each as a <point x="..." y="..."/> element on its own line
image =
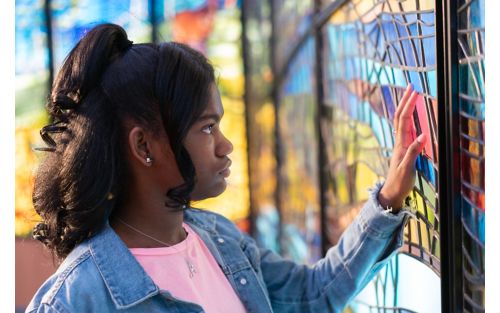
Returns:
<point x="215" y="191"/>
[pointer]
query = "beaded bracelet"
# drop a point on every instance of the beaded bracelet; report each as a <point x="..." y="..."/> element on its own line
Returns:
<point x="409" y="205"/>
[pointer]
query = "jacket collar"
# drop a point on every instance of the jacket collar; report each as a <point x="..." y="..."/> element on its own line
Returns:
<point x="125" y="279"/>
<point x="202" y="219"/>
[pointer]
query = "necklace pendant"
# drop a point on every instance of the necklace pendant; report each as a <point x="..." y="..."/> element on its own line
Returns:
<point x="192" y="269"/>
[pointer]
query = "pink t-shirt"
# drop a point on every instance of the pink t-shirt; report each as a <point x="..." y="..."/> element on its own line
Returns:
<point x="208" y="286"/>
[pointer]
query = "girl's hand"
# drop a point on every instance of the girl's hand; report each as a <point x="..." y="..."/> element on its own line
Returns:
<point x="401" y="177"/>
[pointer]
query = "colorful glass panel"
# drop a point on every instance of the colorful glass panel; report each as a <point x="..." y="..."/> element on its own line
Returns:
<point x="471" y="38"/>
<point x="292" y="19"/>
<point x="32" y="80"/>
<point x="373" y="53"/>
<point x="71" y="19"/>
<point x="298" y="173"/>
<point x="261" y="124"/>
<point x="373" y="50"/>
<point x="393" y="289"/>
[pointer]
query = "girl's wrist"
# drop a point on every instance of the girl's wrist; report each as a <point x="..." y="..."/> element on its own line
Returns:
<point x="389" y="202"/>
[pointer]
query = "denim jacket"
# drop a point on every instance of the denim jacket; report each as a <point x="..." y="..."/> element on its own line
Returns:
<point x="101" y="275"/>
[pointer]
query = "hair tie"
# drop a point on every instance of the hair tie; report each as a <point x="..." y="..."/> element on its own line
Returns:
<point x="64" y="102"/>
<point x="129" y="44"/>
<point x="40" y="231"/>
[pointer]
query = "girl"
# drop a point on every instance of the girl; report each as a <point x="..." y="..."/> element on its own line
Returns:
<point x="134" y="139"/>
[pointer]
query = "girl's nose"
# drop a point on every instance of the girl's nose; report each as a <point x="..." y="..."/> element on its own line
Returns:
<point x="225" y="147"/>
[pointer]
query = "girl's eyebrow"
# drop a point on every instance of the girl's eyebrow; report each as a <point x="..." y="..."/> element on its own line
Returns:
<point x="215" y="117"/>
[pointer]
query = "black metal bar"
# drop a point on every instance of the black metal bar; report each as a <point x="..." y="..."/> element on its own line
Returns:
<point x="153" y="20"/>
<point x="319" y="20"/>
<point x="322" y="160"/>
<point x="245" y="48"/>
<point x="449" y="156"/>
<point x="50" y="43"/>
<point x="275" y="95"/>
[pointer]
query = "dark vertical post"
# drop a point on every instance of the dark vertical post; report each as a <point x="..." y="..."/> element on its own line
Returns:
<point x="50" y="44"/>
<point x="247" y="95"/>
<point x="449" y="156"/>
<point x="276" y="99"/>
<point x="322" y="162"/>
<point x="153" y="20"/>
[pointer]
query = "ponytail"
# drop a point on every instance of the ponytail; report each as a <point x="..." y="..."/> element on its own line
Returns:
<point x="75" y="181"/>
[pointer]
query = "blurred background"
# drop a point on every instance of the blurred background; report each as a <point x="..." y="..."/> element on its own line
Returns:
<point x="309" y="90"/>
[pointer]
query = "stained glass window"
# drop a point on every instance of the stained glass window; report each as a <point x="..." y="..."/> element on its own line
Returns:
<point x="472" y="120"/>
<point x="299" y="182"/>
<point x="292" y="19"/>
<point x="260" y="113"/>
<point x="71" y="19"/>
<point x="369" y="52"/>
<point x="373" y="51"/>
<point x="399" y="288"/>
<point x="32" y="80"/>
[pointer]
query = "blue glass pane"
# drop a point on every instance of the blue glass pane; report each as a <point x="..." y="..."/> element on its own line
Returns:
<point x="72" y="18"/>
<point x="300" y="210"/>
<point x="31" y="62"/>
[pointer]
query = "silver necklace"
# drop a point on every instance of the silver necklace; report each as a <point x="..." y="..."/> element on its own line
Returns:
<point x="192" y="269"/>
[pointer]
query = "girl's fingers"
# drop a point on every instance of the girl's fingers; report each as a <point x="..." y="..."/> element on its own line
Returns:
<point x="410" y="105"/>
<point x="401" y="105"/>
<point x="407" y="112"/>
<point x="413" y="151"/>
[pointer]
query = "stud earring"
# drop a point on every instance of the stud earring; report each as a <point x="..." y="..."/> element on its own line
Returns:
<point x="149" y="160"/>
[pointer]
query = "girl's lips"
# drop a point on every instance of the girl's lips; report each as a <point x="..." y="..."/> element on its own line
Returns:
<point x="226" y="172"/>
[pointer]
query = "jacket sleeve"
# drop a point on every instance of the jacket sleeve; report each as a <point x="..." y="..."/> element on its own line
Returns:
<point x="327" y="286"/>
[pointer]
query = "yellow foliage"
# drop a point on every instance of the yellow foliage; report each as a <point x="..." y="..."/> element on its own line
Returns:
<point x="27" y="137"/>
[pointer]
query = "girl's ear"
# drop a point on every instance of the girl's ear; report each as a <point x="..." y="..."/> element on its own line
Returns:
<point x="140" y="145"/>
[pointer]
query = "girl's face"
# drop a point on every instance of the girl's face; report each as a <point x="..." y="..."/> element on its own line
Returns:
<point x="209" y="150"/>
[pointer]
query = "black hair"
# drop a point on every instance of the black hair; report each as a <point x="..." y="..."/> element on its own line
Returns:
<point x="105" y="80"/>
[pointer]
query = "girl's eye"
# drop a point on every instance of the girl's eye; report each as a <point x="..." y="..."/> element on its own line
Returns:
<point x="208" y="129"/>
